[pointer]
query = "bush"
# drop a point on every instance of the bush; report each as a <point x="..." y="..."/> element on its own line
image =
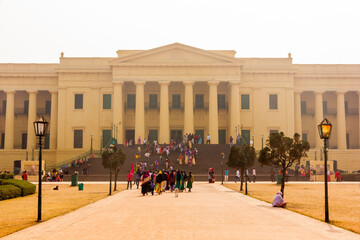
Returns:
<point x="1" y="180"/>
<point x="26" y="187"/>
<point x="6" y="176"/>
<point x="9" y="191"/>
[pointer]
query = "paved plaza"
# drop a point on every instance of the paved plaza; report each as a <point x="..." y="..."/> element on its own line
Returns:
<point x="211" y="211"/>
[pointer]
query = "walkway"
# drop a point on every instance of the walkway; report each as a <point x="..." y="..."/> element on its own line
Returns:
<point x="209" y="212"/>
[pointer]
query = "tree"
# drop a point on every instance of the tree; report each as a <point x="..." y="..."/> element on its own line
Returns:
<point x="117" y="159"/>
<point x="241" y="158"/>
<point x="283" y="151"/>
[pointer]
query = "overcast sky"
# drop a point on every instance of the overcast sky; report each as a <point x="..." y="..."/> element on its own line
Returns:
<point x="314" y="31"/>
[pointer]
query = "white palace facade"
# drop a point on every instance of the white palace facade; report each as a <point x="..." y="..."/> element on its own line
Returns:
<point x="175" y="89"/>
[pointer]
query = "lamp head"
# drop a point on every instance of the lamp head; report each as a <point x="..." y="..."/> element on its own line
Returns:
<point x="41" y="127"/>
<point x="325" y="128"/>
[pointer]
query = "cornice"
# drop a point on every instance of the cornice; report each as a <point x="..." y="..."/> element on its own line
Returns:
<point x="28" y="75"/>
<point x="167" y="64"/>
<point x="332" y="75"/>
<point x="83" y="70"/>
<point x="269" y="71"/>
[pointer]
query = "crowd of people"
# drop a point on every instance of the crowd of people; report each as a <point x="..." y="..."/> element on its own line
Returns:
<point x="55" y="176"/>
<point x="160" y="181"/>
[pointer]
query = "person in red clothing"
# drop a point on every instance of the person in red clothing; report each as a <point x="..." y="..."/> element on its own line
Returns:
<point x="129" y="177"/>
<point x="338" y="176"/>
<point x="24" y="176"/>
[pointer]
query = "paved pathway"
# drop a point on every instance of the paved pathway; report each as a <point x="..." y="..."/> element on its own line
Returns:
<point x="209" y="212"/>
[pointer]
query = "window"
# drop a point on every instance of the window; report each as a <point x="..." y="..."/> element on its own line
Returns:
<point x="78" y="138"/>
<point x="273" y="131"/>
<point x="47" y="141"/>
<point x="325" y="109"/>
<point x="176" y="101"/>
<point x="304" y="137"/>
<point x="78" y="101"/>
<point x="245" y="101"/>
<point x="106" y="136"/>
<point x="2" y="141"/>
<point x="4" y="107"/>
<point x="199" y="101"/>
<point x="245" y="137"/>
<point x="48" y="107"/>
<point x="107" y="101"/>
<point x="221" y="101"/>
<point x="26" y="107"/>
<point x="153" y="135"/>
<point x="346" y="107"/>
<point x="273" y="101"/>
<point x="153" y="104"/>
<point x="23" y="140"/>
<point x="347" y="140"/>
<point x="131" y="101"/>
<point x="303" y="107"/>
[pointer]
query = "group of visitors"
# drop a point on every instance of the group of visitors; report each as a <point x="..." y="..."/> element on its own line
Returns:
<point x="161" y="181"/>
<point x="55" y="176"/>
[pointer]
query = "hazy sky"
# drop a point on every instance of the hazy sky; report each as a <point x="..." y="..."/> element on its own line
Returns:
<point x="314" y="31"/>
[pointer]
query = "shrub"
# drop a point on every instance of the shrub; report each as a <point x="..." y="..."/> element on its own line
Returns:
<point x="1" y="180"/>
<point x="6" y="176"/>
<point x="9" y="191"/>
<point x="26" y="187"/>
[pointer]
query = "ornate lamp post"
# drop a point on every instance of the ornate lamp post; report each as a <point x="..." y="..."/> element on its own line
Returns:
<point x="325" y="128"/>
<point x="40" y="127"/>
<point x="111" y="150"/>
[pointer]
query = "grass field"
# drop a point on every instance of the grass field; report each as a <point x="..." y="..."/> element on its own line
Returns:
<point x="21" y="212"/>
<point x="308" y="199"/>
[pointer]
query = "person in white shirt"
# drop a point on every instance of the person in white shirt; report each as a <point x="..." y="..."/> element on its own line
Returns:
<point x="237" y="177"/>
<point x="254" y="174"/>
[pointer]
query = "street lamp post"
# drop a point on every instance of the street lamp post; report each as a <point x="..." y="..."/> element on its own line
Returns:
<point x="91" y="146"/>
<point x="222" y="167"/>
<point x="325" y="128"/>
<point x="262" y="141"/>
<point x="112" y="150"/>
<point x="40" y="127"/>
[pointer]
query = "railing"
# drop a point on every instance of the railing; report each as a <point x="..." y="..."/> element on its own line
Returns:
<point x="80" y="156"/>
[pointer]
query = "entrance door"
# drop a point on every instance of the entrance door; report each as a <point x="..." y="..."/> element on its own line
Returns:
<point x="17" y="166"/>
<point x="106" y="136"/>
<point x="200" y="133"/>
<point x="222" y="136"/>
<point x="176" y="135"/>
<point x="245" y="135"/>
<point x="23" y="140"/>
<point x="130" y="135"/>
<point x="153" y="135"/>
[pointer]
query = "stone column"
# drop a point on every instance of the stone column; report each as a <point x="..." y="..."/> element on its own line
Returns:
<point x="189" y="107"/>
<point x="213" y="112"/>
<point x="139" y="111"/>
<point x="9" y="120"/>
<point x="164" y="135"/>
<point x="234" y="108"/>
<point x="298" y="127"/>
<point x="61" y="123"/>
<point x="53" y="119"/>
<point x="118" y="111"/>
<point x="359" y="117"/>
<point x="318" y="116"/>
<point x="340" y="120"/>
<point x="31" y="138"/>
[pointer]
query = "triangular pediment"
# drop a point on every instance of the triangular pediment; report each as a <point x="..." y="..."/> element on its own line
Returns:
<point x="175" y="54"/>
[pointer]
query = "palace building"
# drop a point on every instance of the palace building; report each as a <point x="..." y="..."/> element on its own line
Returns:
<point x="175" y="89"/>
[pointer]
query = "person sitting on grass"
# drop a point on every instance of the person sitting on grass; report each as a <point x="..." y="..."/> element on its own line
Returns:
<point x="278" y="200"/>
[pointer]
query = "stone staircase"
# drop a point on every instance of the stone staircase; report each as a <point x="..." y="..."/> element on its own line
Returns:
<point x="209" y="155"/>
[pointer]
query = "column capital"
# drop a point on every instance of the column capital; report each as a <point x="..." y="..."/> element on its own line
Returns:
<point x="164" y="83"/>
<point x="118" y="83"/>
<point x="213" y="83"/>
<point x="31" y="91"/>
<point x="319" y="91"/>
<point x="298" y="91"/>
<point x="340" y="92"/>
<point x="139" y="83"/>
<point x="188" y="83"/>
<point x="9" y="91"/>
<point x="53" y="91"/>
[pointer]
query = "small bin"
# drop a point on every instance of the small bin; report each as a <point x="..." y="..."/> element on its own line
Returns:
<point x="81" y="186"/>
<point x="74" y="180"/>
<point x="278" y="179"/>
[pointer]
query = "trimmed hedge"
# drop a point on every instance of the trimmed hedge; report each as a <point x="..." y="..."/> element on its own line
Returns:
<point x="26" y="187"/>
<point x="6" y="176"/>
<point x="1" y="180"/>
<point x="9" y="191"/>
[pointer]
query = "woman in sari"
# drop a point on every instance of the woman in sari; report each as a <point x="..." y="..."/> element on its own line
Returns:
<point x="177" y="180"/>
<point x="190" y="180"/>
<point x="145" y="183"/>
<point x="158" y="181"/>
